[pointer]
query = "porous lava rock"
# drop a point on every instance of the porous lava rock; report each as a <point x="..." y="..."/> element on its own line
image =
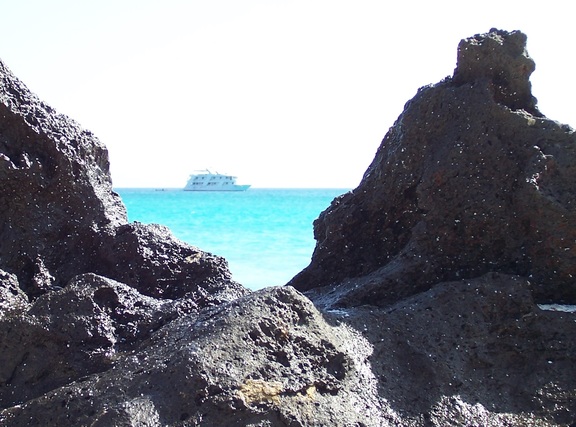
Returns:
<point x="470" y="179"/>
<point x="77" y="281"/>
<point x="423" y="285"/>
<point x="267" y="359"/>
<point x="59" y="216"/>
<point x="72" y="332"/>
<point x="471" y="352"/>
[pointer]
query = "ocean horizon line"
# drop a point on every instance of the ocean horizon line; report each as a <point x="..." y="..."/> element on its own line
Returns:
<point x="251" y="188"/>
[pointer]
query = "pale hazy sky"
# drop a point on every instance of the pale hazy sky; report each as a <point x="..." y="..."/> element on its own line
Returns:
<point x="282" y="93"/>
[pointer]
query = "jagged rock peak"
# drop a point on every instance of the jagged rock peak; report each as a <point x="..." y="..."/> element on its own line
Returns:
<point x="500" y="57"/>
<point x="468" y="180"/>
<point x="59" y="216"/>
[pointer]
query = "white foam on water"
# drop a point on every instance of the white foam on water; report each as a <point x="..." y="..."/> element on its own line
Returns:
<point x="558" y="307"/>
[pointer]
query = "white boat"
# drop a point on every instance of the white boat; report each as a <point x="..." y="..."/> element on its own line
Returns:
<point x="213" y="181"/>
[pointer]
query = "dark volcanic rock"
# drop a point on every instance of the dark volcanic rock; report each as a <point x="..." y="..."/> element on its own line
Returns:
<point x="59" y="216"/>
<point x="73" y="332"/>
<point x="463" y="353"/>
<point x="149" y="258"/>
<point x="12" y="299"/>
<point x="266" y="359"/>
<point x="426" y="275"/>
<point x="470" y="179"/>
<point x="60" y="225"/>
<point x="472" y="352"/>
<point x="56" y="191"/>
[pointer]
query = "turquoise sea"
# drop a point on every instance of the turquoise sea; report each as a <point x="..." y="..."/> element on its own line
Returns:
<point x="266" y="235"/>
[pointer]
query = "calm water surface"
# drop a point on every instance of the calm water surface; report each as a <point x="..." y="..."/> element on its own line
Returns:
<point x="265" y="234"/>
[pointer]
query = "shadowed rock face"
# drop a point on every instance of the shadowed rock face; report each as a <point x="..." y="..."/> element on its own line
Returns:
<point x="77" y="281"/>
<point x="59" y="216"/>
<point x="423" y="282"/>
<point x="470" y="179"/>
<point x="56" y="191"/>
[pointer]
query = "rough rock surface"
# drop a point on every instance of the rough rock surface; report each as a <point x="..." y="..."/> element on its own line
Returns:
<point x="472" y="352"/>
<point x="462" y="353"/>
<point x="59" y="216"/>
<point x="470" y="179"/>
<point x="64" y="234"/>
<point x="423" y="283"/>
<point x="266" y="359"/>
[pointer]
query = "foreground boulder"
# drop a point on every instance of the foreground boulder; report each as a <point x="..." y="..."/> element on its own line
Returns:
<point x="73" y="332"/>
<point x="266" y="359"/>
<point x="470" y="179"/>
<point x="421" y="297"/>
<point x="462" y="353"/>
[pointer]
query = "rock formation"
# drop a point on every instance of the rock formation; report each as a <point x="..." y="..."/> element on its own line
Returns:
<point x="470" y="179"/>
<point x="420" y="306"/>
<point x="60" y="217"/>
<point x="64" y="234"/>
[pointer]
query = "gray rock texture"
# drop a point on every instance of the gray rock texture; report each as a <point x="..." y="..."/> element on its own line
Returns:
<point x="59" y="216"/>
<point x="420" y="305"/>
<point x="470" y="179"/>
<point x="472" y="352"/>
<point x="266" y="359"/>
<point x="77" y="281"/>
<point x="462" y="353"/>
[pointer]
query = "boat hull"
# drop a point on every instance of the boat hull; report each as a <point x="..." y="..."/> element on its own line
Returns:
<point x="235" y="188"/>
